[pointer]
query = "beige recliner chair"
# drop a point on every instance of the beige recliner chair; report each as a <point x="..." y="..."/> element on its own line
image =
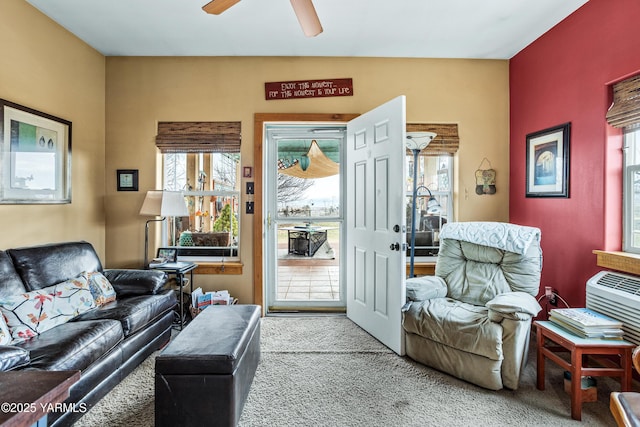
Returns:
<point x="473" y="318"/>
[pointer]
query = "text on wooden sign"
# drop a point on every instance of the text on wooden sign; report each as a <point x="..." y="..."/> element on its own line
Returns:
<point x="308" y="89"/>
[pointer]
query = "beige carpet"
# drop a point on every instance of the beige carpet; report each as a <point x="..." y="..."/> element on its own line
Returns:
<point x="326" y="371"/>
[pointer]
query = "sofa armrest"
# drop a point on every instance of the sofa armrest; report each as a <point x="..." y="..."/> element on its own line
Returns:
<point x="12" y="357"/>
<point x="513" y="305"/>
<point x="425" y="288"/>
<point x="136" y="282"/>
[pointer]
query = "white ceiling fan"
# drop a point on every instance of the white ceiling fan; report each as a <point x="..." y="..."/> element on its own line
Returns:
<point x="303" y="9"/>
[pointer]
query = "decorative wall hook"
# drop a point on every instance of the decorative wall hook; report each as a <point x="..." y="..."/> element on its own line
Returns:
<point x="485" y="179"/>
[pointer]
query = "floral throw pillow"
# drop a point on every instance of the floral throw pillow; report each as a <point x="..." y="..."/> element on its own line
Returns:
<point x="5" y="335"/>
<point x="101" y="288"/>
<point x="34" y="312"/>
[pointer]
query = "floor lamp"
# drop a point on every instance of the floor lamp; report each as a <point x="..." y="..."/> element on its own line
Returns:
<point x="164" y="204"/>
<point x="416" y="142"/>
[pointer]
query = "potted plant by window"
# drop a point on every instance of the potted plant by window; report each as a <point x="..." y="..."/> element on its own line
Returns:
<point x="225" y="226"/>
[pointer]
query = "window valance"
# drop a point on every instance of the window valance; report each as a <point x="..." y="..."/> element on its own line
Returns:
<point x="625" y="110"/>
<point x="201" y="137"/>
<point x="446" y="141"/>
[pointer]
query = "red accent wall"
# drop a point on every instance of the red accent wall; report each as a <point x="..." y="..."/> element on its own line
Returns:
<point x="565" y="76"/>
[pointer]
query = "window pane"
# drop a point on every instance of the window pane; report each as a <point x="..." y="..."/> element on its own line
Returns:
<point x="434" y="202"/>
<point x="308" y="178"/>
<point x="635" y="209"/>
<point x="210" y="182"/>
<point x="631" y="196"/>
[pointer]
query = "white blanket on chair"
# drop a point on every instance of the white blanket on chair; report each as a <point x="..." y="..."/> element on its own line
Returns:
<point x="500" y="235"/>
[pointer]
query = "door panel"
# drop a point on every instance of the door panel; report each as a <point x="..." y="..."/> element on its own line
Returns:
<point x="375" y="178"/>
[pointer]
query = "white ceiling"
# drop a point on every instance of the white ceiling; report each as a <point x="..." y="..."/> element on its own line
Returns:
<point x="495" y="29"/>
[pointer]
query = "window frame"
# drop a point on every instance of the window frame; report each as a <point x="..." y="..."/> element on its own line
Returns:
<point x="206" y="253"/>
<point x="631" y="167"/>
<point x="448" y="213"/>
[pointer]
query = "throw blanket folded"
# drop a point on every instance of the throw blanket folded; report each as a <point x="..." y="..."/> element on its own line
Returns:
<point x="499" y="235"/>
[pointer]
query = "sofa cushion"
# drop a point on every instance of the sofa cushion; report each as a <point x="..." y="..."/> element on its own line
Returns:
<point x="10" y="281"/>
<point x="46" y="265"/>
<point x="101" y="288"/>
<point x="12" y="357"/>
<point x="74" y="345"/>
<point x="5" y="333"/>
<point x="456" y="324"/>
<point x="476" y="274"/>
<point x="34" y="312"/>
<point x="136" y="282"/>
<point x="134" y="312"/>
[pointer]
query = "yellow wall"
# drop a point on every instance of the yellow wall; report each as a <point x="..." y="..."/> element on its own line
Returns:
<point x="142" y="91"/>
<point x="46" y="68"/>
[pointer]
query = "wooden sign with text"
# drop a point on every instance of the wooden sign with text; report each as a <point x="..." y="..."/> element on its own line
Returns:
<point x="308" y="89"/>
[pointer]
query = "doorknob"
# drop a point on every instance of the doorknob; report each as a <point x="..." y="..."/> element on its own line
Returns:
<point x="395" y="246"/>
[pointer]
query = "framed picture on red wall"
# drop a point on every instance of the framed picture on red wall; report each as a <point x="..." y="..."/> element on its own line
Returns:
<point x="548" y="162"/>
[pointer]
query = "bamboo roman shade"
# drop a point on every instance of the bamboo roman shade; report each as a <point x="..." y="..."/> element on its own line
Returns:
<point x="625" y="110"/>
<point x="200" y="137"/>
<point x="446" y="141"/>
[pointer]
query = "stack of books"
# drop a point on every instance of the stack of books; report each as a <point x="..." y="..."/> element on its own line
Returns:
<point x="587" y="323"/>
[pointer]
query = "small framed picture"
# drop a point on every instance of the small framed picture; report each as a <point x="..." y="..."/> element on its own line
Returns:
<point x="169" y="254"/>
<point x="548" y="162"/>
<point x="247" y="172"/>
<point x="127" y="179"/>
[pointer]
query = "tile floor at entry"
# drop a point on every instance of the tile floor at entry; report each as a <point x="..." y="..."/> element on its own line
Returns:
<point x="306" y="282"/>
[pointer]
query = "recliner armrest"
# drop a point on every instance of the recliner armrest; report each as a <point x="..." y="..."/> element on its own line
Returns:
<point x="513" y="305"/>
<point x="136" y="282"/>
<point x="425" y="288"/>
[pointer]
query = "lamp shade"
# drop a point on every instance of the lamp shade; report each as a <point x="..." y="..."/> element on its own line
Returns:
<point x="164" y="203"/>
<point x="419" y="140"/>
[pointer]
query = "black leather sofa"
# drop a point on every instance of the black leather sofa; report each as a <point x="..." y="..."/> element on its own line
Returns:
<point x="105" y="343"/>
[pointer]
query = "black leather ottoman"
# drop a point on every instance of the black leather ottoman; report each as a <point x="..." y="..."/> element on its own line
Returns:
<point x="203" y="376"/>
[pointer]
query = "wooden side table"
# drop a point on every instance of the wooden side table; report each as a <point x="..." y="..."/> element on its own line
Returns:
<point x="179" y="269"/>
<point x="27" y="396"/>
<point x="552" y="340"/>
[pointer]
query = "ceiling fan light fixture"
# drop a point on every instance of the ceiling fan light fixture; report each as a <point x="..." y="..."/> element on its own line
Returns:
<point x="307" y="17"/>
<point x="216" y="7"/>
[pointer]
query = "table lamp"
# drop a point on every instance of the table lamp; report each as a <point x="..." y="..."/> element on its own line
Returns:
<point x="165" y="204"/>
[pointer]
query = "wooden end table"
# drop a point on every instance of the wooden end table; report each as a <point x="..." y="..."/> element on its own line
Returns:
<point x="552" y="340"/>
<point x="27" y="396"/>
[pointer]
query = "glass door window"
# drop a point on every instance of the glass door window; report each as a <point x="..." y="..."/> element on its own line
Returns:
<point x="306" y="218"/>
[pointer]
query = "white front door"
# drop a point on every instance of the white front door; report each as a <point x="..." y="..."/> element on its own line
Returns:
<point x="375" y="222"/>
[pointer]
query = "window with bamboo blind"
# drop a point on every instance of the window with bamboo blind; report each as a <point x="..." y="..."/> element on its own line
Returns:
<point x="435" y="172"/>
<point x="202" y="159"/>
<point x="624" y="113"/>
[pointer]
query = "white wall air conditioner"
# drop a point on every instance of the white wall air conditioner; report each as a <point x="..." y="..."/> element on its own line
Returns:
<point x="617" y="295"/>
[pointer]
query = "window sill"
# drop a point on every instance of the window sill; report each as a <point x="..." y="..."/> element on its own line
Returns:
<point x="218" y="268"/>
<point x="620" y="261"/>
<point x="422" y="268"/>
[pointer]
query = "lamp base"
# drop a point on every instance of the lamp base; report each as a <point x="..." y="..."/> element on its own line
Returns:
<point x="146" y="241"/>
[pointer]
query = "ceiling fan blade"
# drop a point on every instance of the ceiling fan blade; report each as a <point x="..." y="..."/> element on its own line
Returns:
<point x="216" y="7"/>
<point x="307" y="17"/>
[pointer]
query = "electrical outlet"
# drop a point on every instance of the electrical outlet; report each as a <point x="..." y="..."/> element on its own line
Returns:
<point x="551" y="295"/>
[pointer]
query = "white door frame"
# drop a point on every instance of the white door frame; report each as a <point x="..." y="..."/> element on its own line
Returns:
<point x="301" y="131"/>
